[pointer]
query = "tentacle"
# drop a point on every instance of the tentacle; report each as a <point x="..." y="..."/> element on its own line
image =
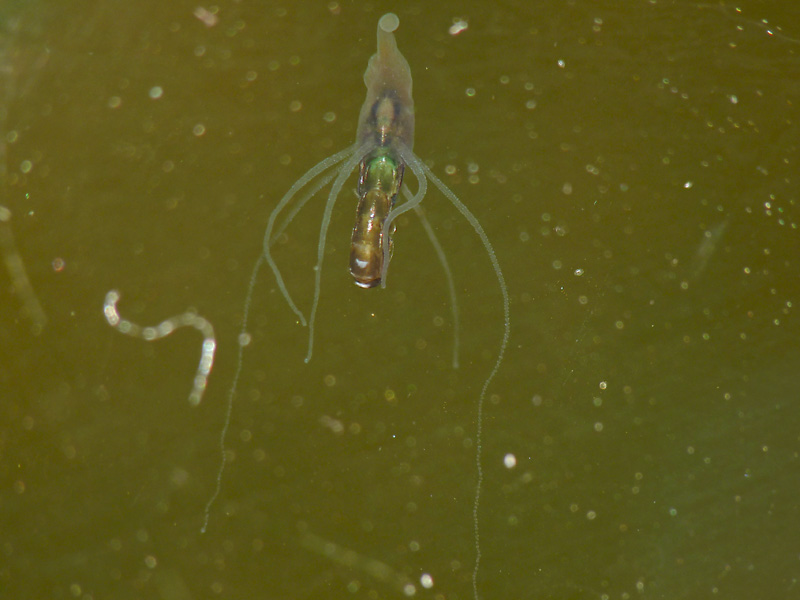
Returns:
<point x="451" y="286"/>
<point x="344" y="173"/>
<point x="320" y="167"/>
<point x="415" y="164"/>
<point x="506" y="331"/>
<point x="298" y="206"/>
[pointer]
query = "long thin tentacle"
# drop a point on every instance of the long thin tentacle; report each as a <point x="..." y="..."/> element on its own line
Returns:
<point x="336" y="188"/>
<point x="244" y="340"/>
<point x="298" y="206"/>
<point x="244" y="336"/>
<point x="320" y="167"/>
<point x="451" y="286"/>
<point x="412" y="161"/>
<point x="506" y="332"/>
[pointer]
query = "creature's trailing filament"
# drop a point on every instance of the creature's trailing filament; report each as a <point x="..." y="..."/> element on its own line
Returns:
<point x="244" y="338"/>
<point x="501" y="352"/>
<point x="317" y="169"/>
<point x="163" y="329"/>
<point x="16" y="270"/>
<point x="451" y="284"/>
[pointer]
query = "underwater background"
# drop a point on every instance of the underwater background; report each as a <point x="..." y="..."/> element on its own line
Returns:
<point x="635" y="166"/>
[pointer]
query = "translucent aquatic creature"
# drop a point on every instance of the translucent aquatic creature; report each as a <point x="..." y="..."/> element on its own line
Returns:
<point x="163" y="329"/>
<point x="383" y="150"/>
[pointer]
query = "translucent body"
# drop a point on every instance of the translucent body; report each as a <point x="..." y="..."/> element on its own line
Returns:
<point x="387" y="114"/>
<point x="384" y="140"/>
<point x="385" y="124"/>
<point x="383" y="151"/>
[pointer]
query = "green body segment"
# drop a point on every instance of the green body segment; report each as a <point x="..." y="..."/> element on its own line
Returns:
<point x="378" y="185"/>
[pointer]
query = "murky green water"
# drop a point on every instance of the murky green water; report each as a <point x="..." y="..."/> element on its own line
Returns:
<point x="635" y="167"/>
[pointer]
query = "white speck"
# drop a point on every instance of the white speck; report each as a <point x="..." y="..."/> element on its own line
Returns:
<point x="208" y="18"/>
<point x="458" y="26"/>
<point x="688" y="184"/>
<point x="510" y="461"/>
<point x="156" y="92"/>
<point x="426" y="581"/>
